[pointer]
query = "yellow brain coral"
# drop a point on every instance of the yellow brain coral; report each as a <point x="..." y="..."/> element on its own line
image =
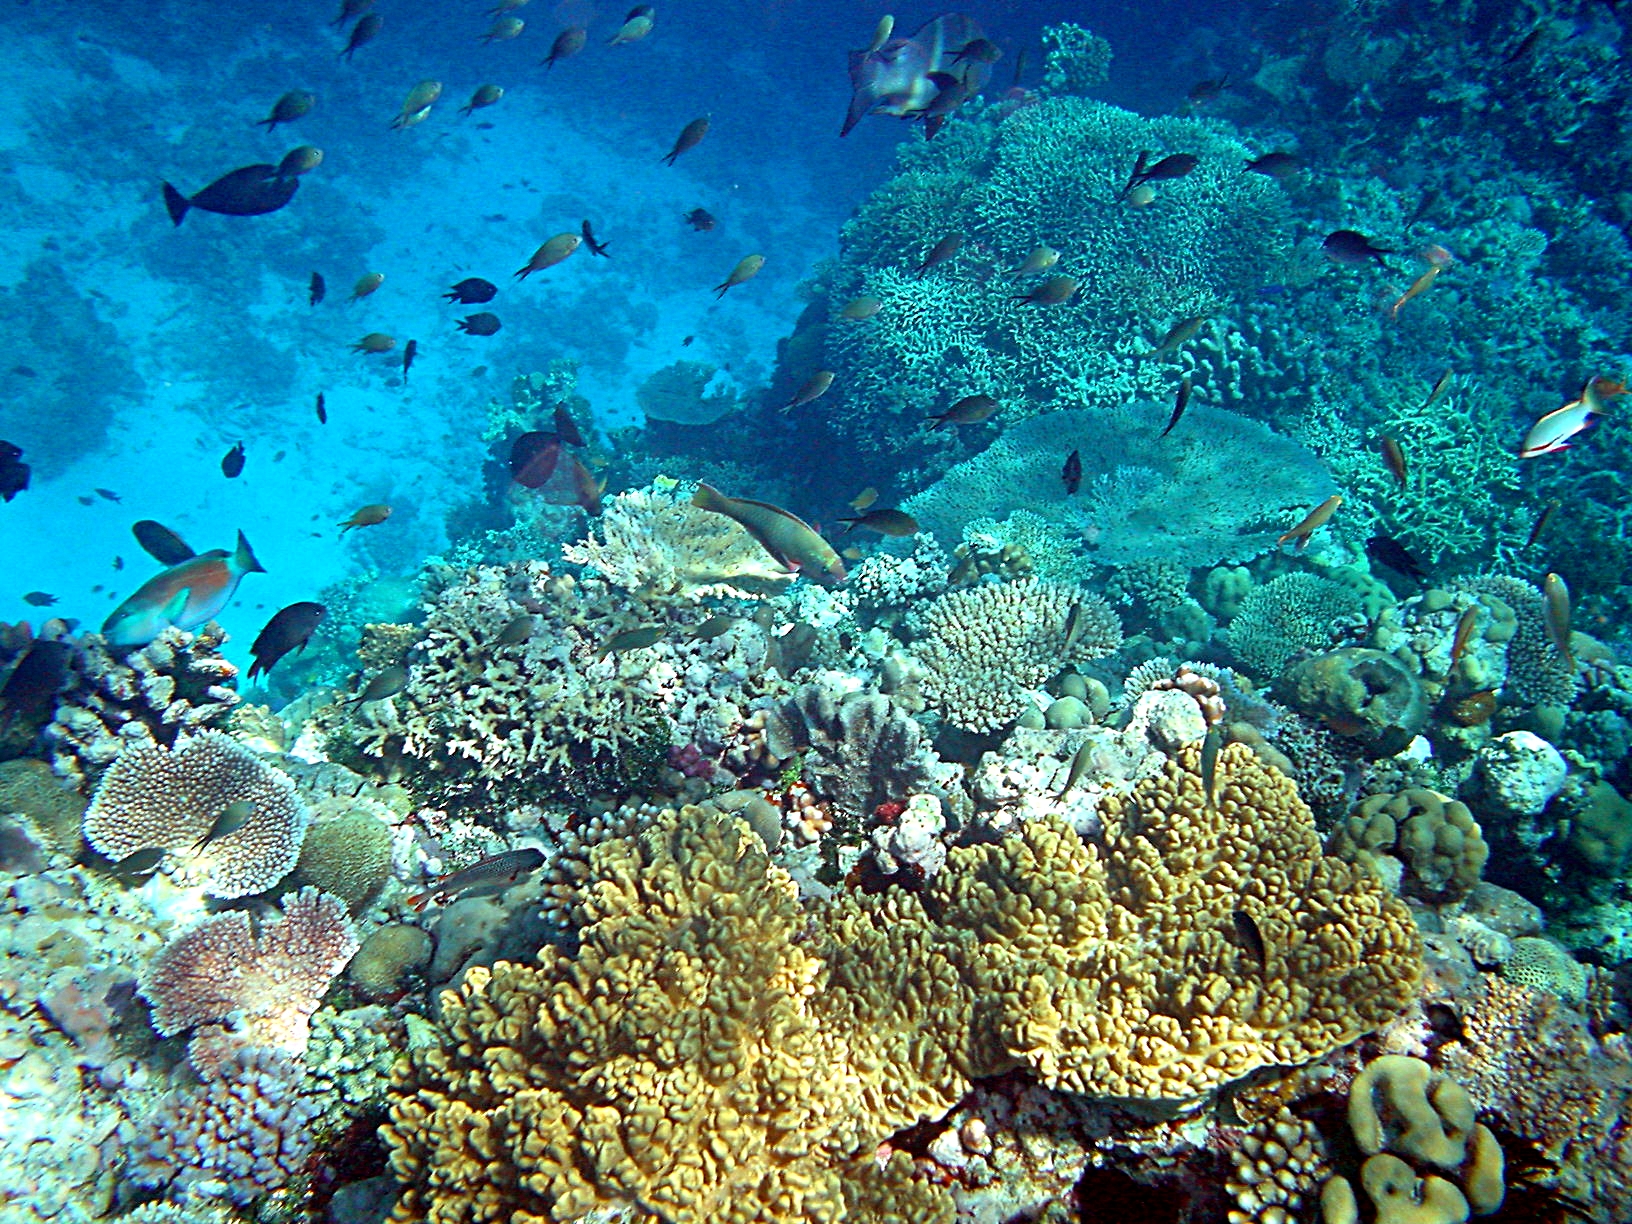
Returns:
<point x="713" y="1052"/>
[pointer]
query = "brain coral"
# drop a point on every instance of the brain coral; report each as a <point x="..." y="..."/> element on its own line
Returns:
<point x="711" y="1052"/>
<point x="158" y="797"/>
<point x="273" y="981"/>
<point x="1217" y="492"/>
<point x="985" y="648"/>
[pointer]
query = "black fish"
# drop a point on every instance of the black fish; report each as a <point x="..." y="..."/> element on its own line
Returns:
<point x="595" y="248"/>
<point x="107" y="494"/>
<point x="232" y="463"/>
<point x="1250" y="938"/>
<point x="160" y="543"/>
<point x="13" y="471"/>
<point x="318" y="287"/>
<point x="1526" y="45"/>
<point x="472" y="291"/>
<point x="289" y="629"/>
<point x="1278" y="165"/>
<point x="700" y="219"/>
<point x="1072" y="473"/>
<point x="1541" y="521"/>
<point x="533" y="457"/>
<point x="40" y="599"/>
<point x="566" y="427"/>
<point x="480" y="324"/>
<point x="364" y="31"/>
<point x="1389" y="552"/>
<point x="350" y="9"/>
<point x="1173" y="166"/>
<point x="247" y="191"/>
<point x="322" y="411"/>
<point x="30" y="692"/>
<point x="1180" y="401"/>
<point x="1353" y="247"/>
<point x="408" y="353"/>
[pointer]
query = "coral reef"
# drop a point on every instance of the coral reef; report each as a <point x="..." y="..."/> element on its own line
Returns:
<point x="1288" y="615"/>
<point x="1437" y="848"/>
<point x="268" y="983"/>
<point x="156" y="797"/>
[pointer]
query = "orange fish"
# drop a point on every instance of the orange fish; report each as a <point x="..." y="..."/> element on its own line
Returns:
<point x="368" y="516"/>
<point x="1315" y="519"/>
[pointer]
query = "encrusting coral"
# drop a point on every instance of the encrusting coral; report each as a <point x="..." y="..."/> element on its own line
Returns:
<point x="156" y="797"/>
<point x="699" y="1058"/>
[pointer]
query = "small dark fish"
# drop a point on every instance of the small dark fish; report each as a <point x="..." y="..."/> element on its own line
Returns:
<point x="1526" y="45"/>
<point x="139" y="864"/>
<point x="85" y="499"/>
<point x="409" y="352"/>
<point x="23" y="371"/>
<point x="980" y="50"/>
<point x="287" y="109"/>
<point x="232" y="818"/>
<point x="350" y="9"/>
<point x="595" y="248"/>
<point x="516" y="632"/>
<point x="565" y="427"/>
<point x="365" y="31"/>
<point x="967" y="411"/>
<point x="1072" y="472"/>
<point x="248" y="191"/>
<point x="482" y="323"/>
<point x="371" y="515"/>
<point x="13" y="472"/>
<point x="160" y="543"/>
<point x="289" y="629"/>
<point x="1542" y="520"/>
<point x="1055" y="291"/>
<point x="118" y="563"/>
<point x="1442" y="384"/>
<point x="1180" y="334"/>
<point x="1250" y="938"/>
<point x="713" y="627"/>
<point x="472" y="291"/>
<point x="322" y="410"/>
<point x="1173" y="166"/>
<point x="567" y="43"/>
<point x="1353" y="247"/>
<point x="700" y="219"/>
<point x="940" y="252"/>
<point x="232" y="463"/>
<point x="533" y="457"/>
<point x="1020" y="65"/>
<point x="690" y="137"/>
<point x="686" y="343"/>
<point x="317" y="290"/>
<point x="107" y="495"/>
<point x="632" y="639"/>
<point x="1079" y="765"/>
<point x="30" y="692"/>
<point x="1203" y="92"/>
<point x="1180" y="402"/>
<point x="1210" y="747"/>
<point x="1279" y="166"/>
<point x="505" y="868"/>
<point x="40" y="599"/>
<point x="388" y="683"/>
<point x="1389" y="552"/>
<point x="885" y="522"/>
<point x="1393" y="458"/>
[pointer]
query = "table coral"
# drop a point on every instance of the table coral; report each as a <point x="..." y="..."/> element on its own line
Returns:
<point x="985" y="648"/>
<point x="154" y="796"/>
<point x="270" y="983"/>
<point x="1216" y="492"/>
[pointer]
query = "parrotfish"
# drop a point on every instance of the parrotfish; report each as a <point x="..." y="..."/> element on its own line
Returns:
<point x="790" y="540"/>
<point x="184" y="596"/>
<point x="897" y="78"/>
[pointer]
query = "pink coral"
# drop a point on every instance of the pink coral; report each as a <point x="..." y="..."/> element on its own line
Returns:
<point x="155" y="797"/>
<point x="271" y="982"/>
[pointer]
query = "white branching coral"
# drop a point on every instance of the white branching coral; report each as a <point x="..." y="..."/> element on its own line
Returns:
<point x="156" y="798"/>
<point x="986" y="648"/>
<point x="653" y="541"/>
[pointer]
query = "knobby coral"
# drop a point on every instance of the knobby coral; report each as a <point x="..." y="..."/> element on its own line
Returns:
<point x="156" y="797"/>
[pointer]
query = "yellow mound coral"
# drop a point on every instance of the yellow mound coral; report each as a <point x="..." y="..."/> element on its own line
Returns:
<point x="714" y="1052"/>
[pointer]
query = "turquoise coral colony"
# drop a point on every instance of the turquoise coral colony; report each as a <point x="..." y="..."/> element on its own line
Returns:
<point x="1194" y="788"/>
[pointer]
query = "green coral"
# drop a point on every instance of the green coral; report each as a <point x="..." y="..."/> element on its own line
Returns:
<point x="348" y="856"/>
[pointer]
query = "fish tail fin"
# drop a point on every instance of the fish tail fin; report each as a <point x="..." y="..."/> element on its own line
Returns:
<point x="176" y="204"/>
<point x="244" y="557"/>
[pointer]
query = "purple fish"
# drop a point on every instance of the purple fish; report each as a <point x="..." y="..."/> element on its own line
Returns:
<point x="897" y="78"/>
